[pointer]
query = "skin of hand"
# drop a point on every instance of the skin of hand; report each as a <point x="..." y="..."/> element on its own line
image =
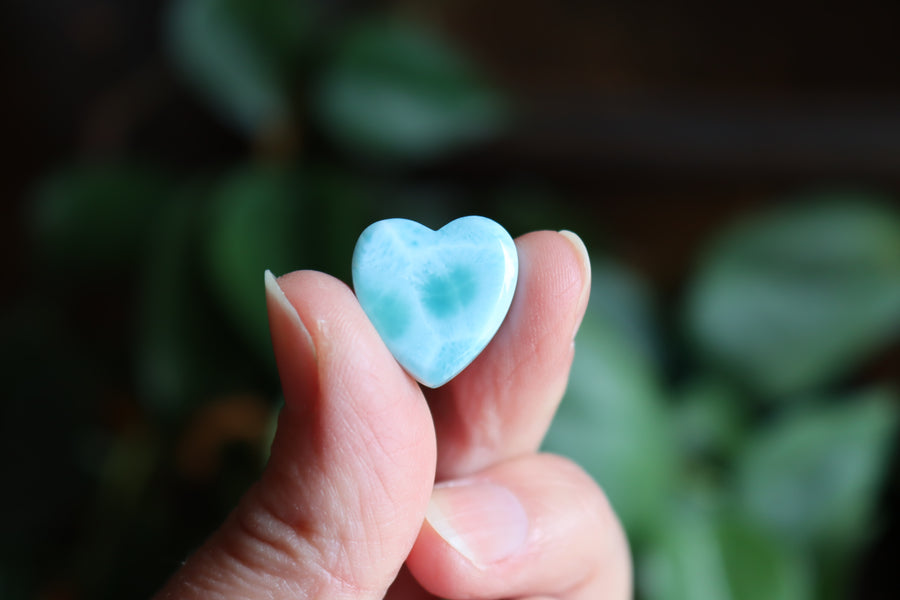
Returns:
<point x="348" y="507"/>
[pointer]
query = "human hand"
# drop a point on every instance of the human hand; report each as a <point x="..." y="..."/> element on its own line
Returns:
<point x="348" y="496"/>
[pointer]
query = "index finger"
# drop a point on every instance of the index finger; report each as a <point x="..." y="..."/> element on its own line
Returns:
<point x="502" y="404"/>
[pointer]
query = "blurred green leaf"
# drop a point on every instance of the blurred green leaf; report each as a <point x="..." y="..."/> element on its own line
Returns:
<point x="705" y="555"/>
<point x="626" y="304"/>
<point x="340" y="206"/>
<point x="709" y="420"/>
<point x="183" y="353"/>
<point x="393" y="91"/>
<point x="242" y="55"/>
<point x="793" y="299"/>
<point x="255" y="223"/>
<point x="168" y="343"/>
<point x="95" y="217"/>
<point x="814" y="476"/>
<point x="613" y="422"/>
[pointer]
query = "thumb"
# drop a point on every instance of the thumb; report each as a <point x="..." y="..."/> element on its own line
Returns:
<point x="344" y="495"/>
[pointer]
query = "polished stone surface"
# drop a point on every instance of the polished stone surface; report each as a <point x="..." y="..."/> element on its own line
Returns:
<point x="436" y="298"/>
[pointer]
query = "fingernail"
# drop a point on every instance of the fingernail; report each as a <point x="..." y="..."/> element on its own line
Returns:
<point x="278" y="301"/>
<point x="483" y="521"/>
<point x="585" y="261"/>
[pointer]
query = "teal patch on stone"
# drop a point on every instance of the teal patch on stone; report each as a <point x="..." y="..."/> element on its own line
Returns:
<point x="393" y="315"/>
<point x="436" y="298"/>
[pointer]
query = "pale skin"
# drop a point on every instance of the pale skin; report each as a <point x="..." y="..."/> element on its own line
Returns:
<point x="348" y="508"/>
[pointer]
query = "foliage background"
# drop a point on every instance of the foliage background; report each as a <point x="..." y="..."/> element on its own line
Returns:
<point x="733" y="170"/>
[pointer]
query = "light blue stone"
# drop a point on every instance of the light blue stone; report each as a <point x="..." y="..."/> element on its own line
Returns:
<point x="436" y="298"/>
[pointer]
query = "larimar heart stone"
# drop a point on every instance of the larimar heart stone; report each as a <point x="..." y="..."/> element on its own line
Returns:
<point x="436" y="298"/>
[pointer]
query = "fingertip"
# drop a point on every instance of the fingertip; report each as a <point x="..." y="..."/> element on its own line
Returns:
<point x="584" y="261"/>
<point x="580" y="250"/>
<point x="282" y="310"/>
<point x="502" y="404"/>
<point x="353" y="362"/>
<point x="555" y="276"/>
<point x="292" y="342"/>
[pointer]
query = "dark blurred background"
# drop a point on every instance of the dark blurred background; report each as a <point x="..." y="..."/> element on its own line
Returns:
<point x="733" y="167"/>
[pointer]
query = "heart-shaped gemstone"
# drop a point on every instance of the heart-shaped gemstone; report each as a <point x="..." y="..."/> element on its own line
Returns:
<point x="436" y="298"/>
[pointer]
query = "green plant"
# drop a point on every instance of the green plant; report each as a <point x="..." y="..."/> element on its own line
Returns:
<point x="737" y="448"/>
<point x="756" y="473"/>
